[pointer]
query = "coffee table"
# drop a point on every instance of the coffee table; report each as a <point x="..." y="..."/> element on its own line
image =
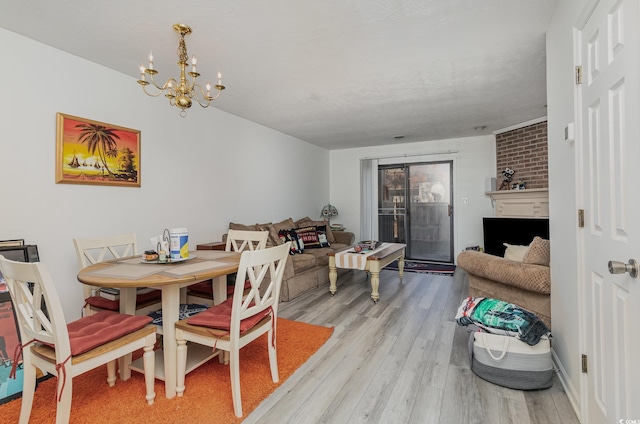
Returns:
<point x="371" y="262"/>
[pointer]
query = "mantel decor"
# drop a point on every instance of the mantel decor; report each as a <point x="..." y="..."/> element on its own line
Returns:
<point x="92" y="152"/>
<point x="527" y="203"/>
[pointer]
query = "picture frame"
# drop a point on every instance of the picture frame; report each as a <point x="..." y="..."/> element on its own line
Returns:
<point x="11" y="388"/>
<point x="12" y="243"/>
<point x="96" y="153"/>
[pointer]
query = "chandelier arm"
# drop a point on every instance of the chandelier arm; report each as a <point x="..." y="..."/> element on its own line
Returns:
<point x="144" y="88"/>
<point x="195" y="88"/>
<point x="166" y="84"/>
<point x="180" y="94"/>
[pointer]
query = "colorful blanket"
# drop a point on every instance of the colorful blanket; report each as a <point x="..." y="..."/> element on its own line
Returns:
<point x="499" y="317"/>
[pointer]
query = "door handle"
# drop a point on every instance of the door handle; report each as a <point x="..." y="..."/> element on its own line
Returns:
<point x="616" y="267"/>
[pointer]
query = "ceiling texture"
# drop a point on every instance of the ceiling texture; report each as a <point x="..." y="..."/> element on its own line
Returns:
<point x="335" y="73"/>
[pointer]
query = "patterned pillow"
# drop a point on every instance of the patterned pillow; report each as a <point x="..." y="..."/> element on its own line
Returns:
<point x="323" y="235"/>
<point x="274" y="230"/>
<point x="313" y="237"/>
<point x="539" y="252"/>
<point x="307" y="222"/>
<point x="297" y="246"/>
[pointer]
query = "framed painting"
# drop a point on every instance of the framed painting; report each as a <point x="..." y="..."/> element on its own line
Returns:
<point x="92" y="152"/>
<point x="11" y="388"/>
<point x="11" y="243"/>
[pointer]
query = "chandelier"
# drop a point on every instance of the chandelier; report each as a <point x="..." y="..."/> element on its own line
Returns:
<point x="181" y="93"/>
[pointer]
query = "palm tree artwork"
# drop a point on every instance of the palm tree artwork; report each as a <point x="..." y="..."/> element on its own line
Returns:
<point x="102" y="139"/>
<point x="91" y="152"/>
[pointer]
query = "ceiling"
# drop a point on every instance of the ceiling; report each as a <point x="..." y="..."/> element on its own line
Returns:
<point x="335" y="73"/>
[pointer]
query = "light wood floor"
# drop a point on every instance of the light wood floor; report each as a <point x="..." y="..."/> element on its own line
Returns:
<point x="403" y="360"/>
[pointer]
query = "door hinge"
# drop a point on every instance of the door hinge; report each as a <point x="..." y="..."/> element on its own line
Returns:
<point x="578" y="75"/>
<point x="580" y="218"/>
<point x="449" y="210"/>
<point x="584" y="363"/>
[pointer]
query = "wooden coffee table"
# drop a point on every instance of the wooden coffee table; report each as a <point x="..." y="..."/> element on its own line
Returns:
<point x="380" y="258"/>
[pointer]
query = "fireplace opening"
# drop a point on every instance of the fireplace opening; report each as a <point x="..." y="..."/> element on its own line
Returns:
<point x="519" y="231"/>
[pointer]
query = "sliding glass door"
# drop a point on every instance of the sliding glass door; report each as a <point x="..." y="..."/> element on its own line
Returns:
<point x="414" y="207"/>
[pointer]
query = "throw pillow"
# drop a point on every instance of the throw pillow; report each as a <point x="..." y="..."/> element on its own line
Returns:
<point x="538" y="253"/>
<point x="308" y="222"/>
<point x="323" y="231"/>
<point x="297" y="246"/>
<point x="274" y="233"/>
<point x="309" y="237"/>
<point x="242" y="227"/>
<point x="515" y="252"/>
<point x="313" y="237"/>
<point x="272" y="240"/>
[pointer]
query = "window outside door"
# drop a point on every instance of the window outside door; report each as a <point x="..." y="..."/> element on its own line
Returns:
<point x="414" y="207"/>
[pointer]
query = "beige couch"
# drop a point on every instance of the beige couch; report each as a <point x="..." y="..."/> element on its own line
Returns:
<point x="525" y="282"/>
<point x="304" y="271"/>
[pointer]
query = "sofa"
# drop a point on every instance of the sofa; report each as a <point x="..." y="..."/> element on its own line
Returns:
<point x="308" y="269"/>
<point x="521" y="277"/>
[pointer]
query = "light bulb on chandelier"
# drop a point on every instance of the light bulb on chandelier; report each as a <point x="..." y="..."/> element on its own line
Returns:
<point x="181" y="93"/>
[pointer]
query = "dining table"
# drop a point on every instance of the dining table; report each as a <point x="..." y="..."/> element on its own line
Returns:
<point x="128" y="274"/>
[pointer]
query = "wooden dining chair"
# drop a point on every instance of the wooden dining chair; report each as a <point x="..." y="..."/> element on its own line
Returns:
<point x="240" y="319"/>
<point x="237" y="241"/>
<point x="66" y="350"/>
<point x="99" y="249"/>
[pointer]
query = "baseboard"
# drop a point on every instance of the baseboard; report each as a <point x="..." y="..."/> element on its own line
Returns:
<point x="568" y="387"/>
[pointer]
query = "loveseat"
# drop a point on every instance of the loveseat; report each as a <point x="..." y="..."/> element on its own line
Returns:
<point x="310" y="269"/>
<point x="522" y="277"/>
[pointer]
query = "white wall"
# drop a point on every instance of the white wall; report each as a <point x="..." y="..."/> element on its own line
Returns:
<point x="199" y="172"/>
<point x="472" y="164"/>
<point x="562" y="202"/>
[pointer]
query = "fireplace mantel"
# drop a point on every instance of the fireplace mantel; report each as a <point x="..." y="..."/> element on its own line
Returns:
<point x="532" y="203"/>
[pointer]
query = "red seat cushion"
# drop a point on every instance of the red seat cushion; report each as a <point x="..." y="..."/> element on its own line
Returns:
<point x="230" y="289"/>
<point x="102" y="303"/>
<point x="219" y="316"/>
<point x="114" y="305"/>
<point x="205" y="288"/>
<point x="103" y="327"/>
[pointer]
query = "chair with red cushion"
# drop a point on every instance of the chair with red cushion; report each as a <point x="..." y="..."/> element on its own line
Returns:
<point x="99" y="249"/>
<point x="237" y="241"/>
<point x="68" y="350"/>
<point x="241" y="319"/>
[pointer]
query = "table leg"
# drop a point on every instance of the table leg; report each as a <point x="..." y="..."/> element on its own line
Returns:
<point x="170" y="315"/>
<point x="219" y="289"/>
<point x="375" y="280"/>
<point x="333" y="275"/>
<point x="401" y="266"/>
<point x="219" y="296"/>
<point x="127" y="306"/>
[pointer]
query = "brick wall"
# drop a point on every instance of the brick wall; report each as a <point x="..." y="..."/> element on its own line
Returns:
<point x="525" y="151"/>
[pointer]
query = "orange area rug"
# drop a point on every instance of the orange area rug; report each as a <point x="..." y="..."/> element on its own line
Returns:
<point x="207" y="397"/>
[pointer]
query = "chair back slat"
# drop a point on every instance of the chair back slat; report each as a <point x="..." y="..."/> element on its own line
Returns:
<point x="33" y="292"/>
<point x="99" y="249"/>
<point x="241" y="240"/>
<point x="264" y="269"/>
<point x="94" y="250"/>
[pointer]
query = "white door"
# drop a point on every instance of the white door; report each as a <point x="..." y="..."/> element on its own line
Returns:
<point x="608" y="48"/>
